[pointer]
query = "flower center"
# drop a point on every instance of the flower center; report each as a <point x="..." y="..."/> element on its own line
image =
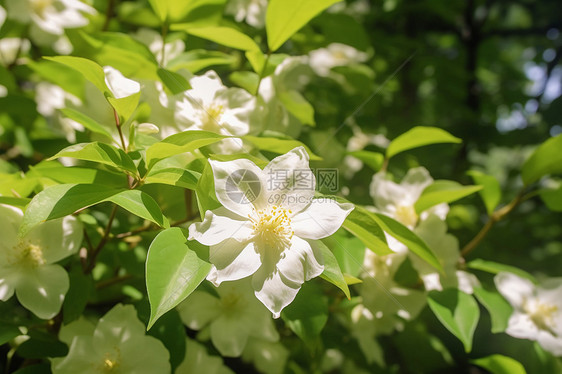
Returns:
<point x="39" y="6"/>
<point x="26" y="254"/>
<point x="211" y="117"/>
<point x="110" y="362"/>
<point x="406" y="214"/>
<point x="542" y="314"/>
<point x="272" y="227"/>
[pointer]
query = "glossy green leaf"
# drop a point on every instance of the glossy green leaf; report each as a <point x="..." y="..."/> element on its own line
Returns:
<point x="546" y="159"/>
<point x="495" y="268"/>
<point x="308" y="313"/>
<point x="500" y="310"/>
<point x="75" y="174"/>
<point x="86" y="121"/>
<point x="205" y="192"/>
<point x="246" y="79"/>
<point x="88" y="68"/>
<point x="186" y="141"/>
<point x="457" y="311"/>
<point x="173" y="81"/>
<point x="140" y="204"/>
<point x="99" y="152"/>
<point x="278" y="145"/>
<point x="332" y="272"/>
<point x="173" y="271"/>
<point x="349" y="251"/>
<point x="61" y="200"/>
<point x="19" y="202"/>
<point x="552" y="198"/>
<point x="408" y="238"/>
<point x="297" y="105"/>
<point x="499" y="364"/>
<point x="418" y="137"/>
<point x="363" y="225"/>
<point x="8" y="332"/>
<point x="491" y="192"/>
<point x="285" y="17"/>
<point x="199" y="59"/>
<point x="443" y="191"/>
<point x="125" y="106"/>
<point x="374" y="160"/>
<point x="174" y="177"/>
<point x="222" y="35"/>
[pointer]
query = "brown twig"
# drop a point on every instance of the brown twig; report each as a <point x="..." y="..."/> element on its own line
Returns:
<point x="105" y="238"/>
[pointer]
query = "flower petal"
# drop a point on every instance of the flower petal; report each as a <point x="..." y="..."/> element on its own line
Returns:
<point x="119" y="86"/>
<point x="118" y="325"/>
<point x="229" y="335"/>
<point x="144" y="355"/>
<point x="320" y="219"/>
<point x="42" y="290"/>
<point x="232" y="260"/>
<point x="79" y="358"/>
<point x="58" y="238"/>
<point x="550" y="343"/>
<point x="8" y="279"/>
<point x="289" y="180"/>
<point x="11" y="220"/>
<point x="299" y="262"/>
<point x="218" y="225"/>
<point x="515" y="289"/>
<point x="521" y="326"/>
<point x="239" y="185"/>
<point x="199" y="309"/>
<point x="274" y="290"/>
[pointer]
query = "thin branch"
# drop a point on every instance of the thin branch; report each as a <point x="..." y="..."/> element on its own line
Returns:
<point x="105" y="238"/>
<point x="112" y="281"/>
<point x="262" y="73"/>
<point x="109" y="13"/>
<point x="118" y="125"/>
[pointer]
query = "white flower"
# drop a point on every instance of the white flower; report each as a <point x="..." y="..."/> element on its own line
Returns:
<point x="358" y="142"/>
<point x="197" y="360"/>
<point x="49" y="18"/>
<point x="267" y="226"/>
<point x="211" y="106"/>
<point x="232" y="317"/>
<point x="117" y="345"/>
<point x="433" y="231"/>
<point x="252" y="11"/>
<point x="537" y="310"/>
<point x="27" y="264"/>
<point x="153" y="40"/>
<point x="336" y="54"/>
<point x="119" y="86"/>
<point x="50" y="98"/>
<point x="398" y="200"/>
<point x="2" y="16"/>
<point x="10" y="48"/>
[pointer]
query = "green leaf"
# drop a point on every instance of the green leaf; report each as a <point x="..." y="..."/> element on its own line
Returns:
<point x="552" y="198"/>
<point x="277" y="145"/>
<point x="246" y="79"/>
<point x="349" y="251"/>
<point x="74" y="174"/>
<point x="332" y="272"/>
<point x="8" y="332"/>
<point x="418" y="137"/>
<point x="186" y="141"/>
<point x="89" y="69"/>
<point x="173" y="271"/>
<point x="495" y="268"/>
<point x="42" y="344"/>
<point x="409" y="238"/>
<point x="100" y="152"/>
<point x="205" y="192"/>
<point x="76" y="298"/>
<point x="499" y="364"/>
<point x="547" y="159"/>
<point x="222" y="35"/>
<point x="173" y="81"/>
<point x="443" y="191"/>
<point x="500" y="310"/>
<point x="160" y="7"/>
<point x="86" y="121"/>
<point x="199" y="59"/>
<point x="363" y="225"/>
<point x="297" y="105"/>
<point x="174" y="177"/>
<point x="19" y="202"/>
<point x="69" y="80"/>
<point x="285" y="17"/>
<point x="125" y="106"/>
<point x="374" y="160"/>
<point x="62" y="200"/>
<point x="457" y="311"/>
<point x="140" y="204"/>
<point x="490" y="193"/>
<point x="308" y="313"/>
<point x="123" y="52"/>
